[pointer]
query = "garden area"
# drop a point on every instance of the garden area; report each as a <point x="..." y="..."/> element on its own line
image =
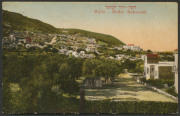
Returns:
<point x="28" y="79"/>
<point x="125" y="88"/>
<point x="165" y="82"/>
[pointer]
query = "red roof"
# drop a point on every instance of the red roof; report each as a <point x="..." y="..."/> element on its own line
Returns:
<point x="28" y="40"/>
<point x="130" y="44"/>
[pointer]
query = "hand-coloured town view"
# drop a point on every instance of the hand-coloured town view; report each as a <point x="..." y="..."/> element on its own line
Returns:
<point x="71" y="58"/>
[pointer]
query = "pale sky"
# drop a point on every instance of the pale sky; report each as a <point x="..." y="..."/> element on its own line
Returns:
<point x="156" y="30"/>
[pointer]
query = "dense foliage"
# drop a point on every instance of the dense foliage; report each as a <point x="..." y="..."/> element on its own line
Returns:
<point x="37" y="71"/>
<point x="140" y="107"/>
<point x="158" y="82"/>
<point x="133" y="66"/>
<point x="171" y="90"/>
<point x="20" y="22"/>
<point x="101" y="67"/>
<point x="114" y="52"/>
<point x="36" y="75"/>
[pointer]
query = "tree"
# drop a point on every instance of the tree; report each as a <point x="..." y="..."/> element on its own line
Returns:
<point x="41" y="43"/>
<point x="129" y="64"/>
<point x="36" y="76"/>
<point x="111" y="68"/>
<point x="20" y="46"/>
<point x="46" y="49"/>
<point x="80" y="49"/>
<point x="149" y="51"/>
<point x="64" y="71"/>
<point x="6" y="96"/>
<point x="89" y="67"/>
<point x="67" y="77"/>
<point x="69" y="48"/>
<point x="101" y="67"/>
<point x="30" y="49"/>
<point x="54" y="50"/>
<point x="50" y="46"/>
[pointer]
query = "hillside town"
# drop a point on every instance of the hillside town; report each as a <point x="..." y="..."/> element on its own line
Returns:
<point x="75" y="45"/>
<point x="59" y="67"/>
<point x="84" y="47"/>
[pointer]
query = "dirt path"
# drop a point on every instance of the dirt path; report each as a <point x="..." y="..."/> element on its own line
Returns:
<point x="125" y="88"/>
<point x="53" y="40"/>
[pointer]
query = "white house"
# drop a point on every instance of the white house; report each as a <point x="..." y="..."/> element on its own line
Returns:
<point x="121" y="56"/>
<point x="151" y="67"/>
<point x="75" y="54"/>
<point x="132" y="59"/>
<point x="111" y="57"/>
<point x="90" y="47"/>
<point x="89" y="55"/>
<point x="12" y="37"/>
<point x="118" y="48"/>
<point x="118" y="57"/>
<point x="62" y="51"/>
<point x="34" y="44"/>
<point x="20" y="40"/>
<point x="132" y="47"/>
<point x="69" y="52"/>
<point x="82" y="54"/>
<point x="92" y="41"/>
<point x="74" y="47"/>
<point x="28" y="45"/>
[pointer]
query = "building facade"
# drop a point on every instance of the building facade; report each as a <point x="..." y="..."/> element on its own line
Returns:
<point x="151" y="67"/>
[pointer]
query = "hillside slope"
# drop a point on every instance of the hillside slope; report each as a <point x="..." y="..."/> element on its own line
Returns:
<point x="19" y="22"/>
<point x="15" y="21"/>
<point x="98" y="36"/>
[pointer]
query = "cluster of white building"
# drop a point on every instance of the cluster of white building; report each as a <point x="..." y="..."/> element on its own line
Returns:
<point x="123" y="56"/>
<point x="73" y="53"/>
<point x="132" y="47"/>
<point x="129" y="47"/>
<point x="91" y="48"/>
<point x="24" y="40"/>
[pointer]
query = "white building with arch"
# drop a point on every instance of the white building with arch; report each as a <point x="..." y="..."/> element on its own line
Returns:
<point x="151" y="67"/>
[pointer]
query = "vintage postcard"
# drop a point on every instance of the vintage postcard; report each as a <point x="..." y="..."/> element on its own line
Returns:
<point x="90" y="57"/>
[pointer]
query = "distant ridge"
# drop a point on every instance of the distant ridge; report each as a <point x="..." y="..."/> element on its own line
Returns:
<point x="20" y="22"/>
<point x="98" y="36"/>
<point x="16" y="21"/>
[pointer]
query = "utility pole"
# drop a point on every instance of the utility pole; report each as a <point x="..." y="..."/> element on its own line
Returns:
<point x="82" y="100"/>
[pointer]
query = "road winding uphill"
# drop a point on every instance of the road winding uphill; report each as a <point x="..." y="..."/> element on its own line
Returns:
<point x="53" y="40"/>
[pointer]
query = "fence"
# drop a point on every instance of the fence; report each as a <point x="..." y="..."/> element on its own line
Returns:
<point x="156" y="89"/>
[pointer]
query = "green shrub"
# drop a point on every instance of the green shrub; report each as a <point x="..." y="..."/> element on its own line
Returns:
<point x="171" y="91"/>
<point x="143" y="80"/>
<point x="159" y="83"/>
<point x="169" y="82"/>
<point x="140" y="107"/>
<point x="156" y="82"/>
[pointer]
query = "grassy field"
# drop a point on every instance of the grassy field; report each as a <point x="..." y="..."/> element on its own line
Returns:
<point x="125" y="88"/>
<point x="102" y="43"/>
